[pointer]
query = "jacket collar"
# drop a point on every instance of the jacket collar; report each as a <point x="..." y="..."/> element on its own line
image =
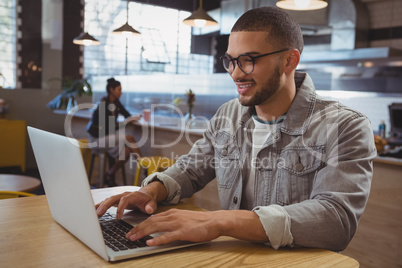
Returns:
<point x="300" y="111"/>
<point x="298" y="116"/>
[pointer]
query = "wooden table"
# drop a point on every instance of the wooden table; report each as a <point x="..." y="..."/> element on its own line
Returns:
<point x="19" y="183"/>
<point x="30" y="237"/>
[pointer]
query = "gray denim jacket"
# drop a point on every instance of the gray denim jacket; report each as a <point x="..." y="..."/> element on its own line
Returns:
<point x="317" y="165"/>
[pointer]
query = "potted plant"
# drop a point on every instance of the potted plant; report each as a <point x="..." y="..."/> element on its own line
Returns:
<point x="71" y="90"/>
<point x="190" y="102"/>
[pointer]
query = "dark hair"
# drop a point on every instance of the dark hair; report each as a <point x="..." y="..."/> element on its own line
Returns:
<point x="111" y="83"/>
<point x="283" y="31"/>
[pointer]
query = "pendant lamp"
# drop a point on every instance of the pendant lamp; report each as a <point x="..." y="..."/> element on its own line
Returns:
<point x="301" y="4"/>
<point x="126" y="29"/>
<point x="200" y="18"/>
<point x="85" y="39"/>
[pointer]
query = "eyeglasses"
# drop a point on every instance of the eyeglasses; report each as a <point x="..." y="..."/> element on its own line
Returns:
<point x="245" y="62"/>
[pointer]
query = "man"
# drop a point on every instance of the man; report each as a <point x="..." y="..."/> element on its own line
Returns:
<point x="292" y="168"/>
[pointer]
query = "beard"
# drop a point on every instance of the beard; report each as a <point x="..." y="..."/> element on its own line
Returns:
<point x="269" y="88"/>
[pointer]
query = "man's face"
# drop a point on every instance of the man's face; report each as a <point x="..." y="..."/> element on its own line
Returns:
<point x="257" y="87"/>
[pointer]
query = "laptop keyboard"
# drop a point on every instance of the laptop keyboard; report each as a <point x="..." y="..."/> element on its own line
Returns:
<point x="114" y="233"/>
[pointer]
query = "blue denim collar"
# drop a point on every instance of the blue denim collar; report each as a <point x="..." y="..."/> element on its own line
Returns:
<point x="297" y="117"/>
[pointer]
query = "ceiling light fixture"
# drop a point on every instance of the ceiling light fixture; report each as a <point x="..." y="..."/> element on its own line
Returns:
<point x="126" y="30"/>
<point x="301" y="4"/>
<point x="85" y="39"/>
<point x="200" y="18"/>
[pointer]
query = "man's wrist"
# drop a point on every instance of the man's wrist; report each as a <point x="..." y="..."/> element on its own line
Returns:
<point x="156" y="189"/>
<point x="155" y="179"/>
<point x="241" y="224"/>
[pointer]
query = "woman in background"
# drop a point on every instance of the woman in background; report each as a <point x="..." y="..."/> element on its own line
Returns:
<point x="105" y="134"/>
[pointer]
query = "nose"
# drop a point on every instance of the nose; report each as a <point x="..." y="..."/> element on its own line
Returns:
<point x="237" y="74"/>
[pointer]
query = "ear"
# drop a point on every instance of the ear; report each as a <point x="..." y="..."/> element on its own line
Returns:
<point x="292" y="60"/>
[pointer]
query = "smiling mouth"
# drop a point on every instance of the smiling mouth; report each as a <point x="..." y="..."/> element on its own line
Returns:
<point x="242" y="88"/>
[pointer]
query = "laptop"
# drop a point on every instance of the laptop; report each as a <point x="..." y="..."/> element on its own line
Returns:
<point x="68" y="193"/>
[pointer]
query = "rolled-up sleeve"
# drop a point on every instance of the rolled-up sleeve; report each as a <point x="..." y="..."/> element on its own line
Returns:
<point x="172" y="187"/>
<point x="277" y="225"/>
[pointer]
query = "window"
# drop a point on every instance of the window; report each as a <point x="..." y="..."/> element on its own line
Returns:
<point x="163" y="46"/>
<point x="7" y="44"/>
<point x="157" y="66"/>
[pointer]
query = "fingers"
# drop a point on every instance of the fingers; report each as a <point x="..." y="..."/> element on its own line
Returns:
<point x="153" y="224"/>
<point x="141" y="230"/>
<point x="122" y="205"/>
<point x="163" y="239"/>
<point x="149" y="208"/>
<point x="137" y="200"/>
<point x="103" y="206"/>
<point x="177" y="225"/>
<point x="127" y="200"/>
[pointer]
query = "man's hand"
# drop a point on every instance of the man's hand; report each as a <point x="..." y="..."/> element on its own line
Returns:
<point x="127" y="200"/>
<point x="145" y="199"/>
<point x="199" y="226"/>
<point x="183" y="225"/>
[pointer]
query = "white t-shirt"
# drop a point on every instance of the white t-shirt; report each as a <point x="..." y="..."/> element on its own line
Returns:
<point x="274" y="218"/>
<point x="260" y="134"/>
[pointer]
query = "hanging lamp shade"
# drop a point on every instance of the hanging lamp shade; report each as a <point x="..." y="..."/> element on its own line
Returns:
<point x="85" y="39"/>
<point x="126" y="30"/>
<point x="200" y="18"/>
<point x="301" y="4"/>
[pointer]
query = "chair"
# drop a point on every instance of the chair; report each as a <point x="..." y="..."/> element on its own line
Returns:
<point x="104" y="160"/>
<point x="152" y="164"/>
<point x="86" y="152"/>
<point x="13" y="194"/>
<point x="12" y="143"/>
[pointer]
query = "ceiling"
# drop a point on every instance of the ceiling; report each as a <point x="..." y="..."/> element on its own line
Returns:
<point x="191" y="5"/>
<point x="369" y="1"/>
<point x="187" y="5"/>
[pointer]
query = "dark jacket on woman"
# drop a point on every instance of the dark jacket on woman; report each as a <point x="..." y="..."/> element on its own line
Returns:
<point x="100" y="123"/>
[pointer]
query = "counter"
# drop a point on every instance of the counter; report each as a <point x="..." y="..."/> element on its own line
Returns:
<point x="378" y="241"/>
<point x="388" y="160"/>
<point x="162" y="136"/>
<point x="197" y="127"/>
